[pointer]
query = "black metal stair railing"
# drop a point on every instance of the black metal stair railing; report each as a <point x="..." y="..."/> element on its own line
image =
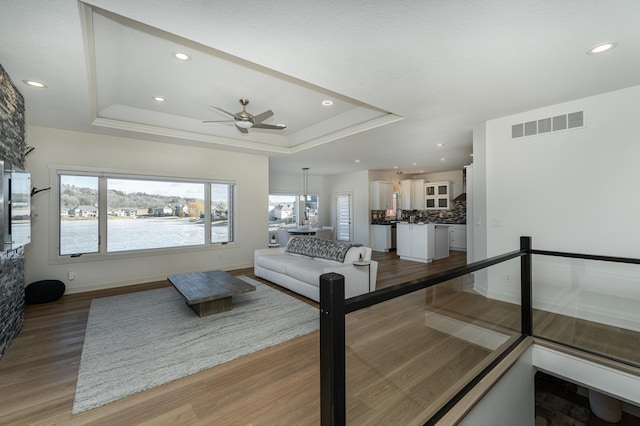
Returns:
<point x="334" y="307"/>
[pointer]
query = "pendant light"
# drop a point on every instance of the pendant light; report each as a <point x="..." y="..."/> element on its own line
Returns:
<point x="305" y="190"/>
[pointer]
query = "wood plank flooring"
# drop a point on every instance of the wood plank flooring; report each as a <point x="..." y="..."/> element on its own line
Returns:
<point x="391" y="373"/>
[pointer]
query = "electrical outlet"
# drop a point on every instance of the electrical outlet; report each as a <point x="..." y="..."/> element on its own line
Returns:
<point x="507" y="277"/>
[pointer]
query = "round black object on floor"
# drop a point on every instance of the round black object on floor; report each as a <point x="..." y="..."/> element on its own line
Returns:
<point x="43" y="291"/>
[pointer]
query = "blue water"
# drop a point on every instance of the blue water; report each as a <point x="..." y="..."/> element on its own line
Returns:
<point x="81" y="236"/>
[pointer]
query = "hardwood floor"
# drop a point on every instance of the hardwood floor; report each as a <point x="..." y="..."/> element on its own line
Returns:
<point x="392" y="374"/>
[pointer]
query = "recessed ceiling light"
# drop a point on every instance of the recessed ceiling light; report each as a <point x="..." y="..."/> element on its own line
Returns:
<point x="602" y="47"/>
<point x="34" y="83"/>
<point x="357" y="161"/>
<point x="159" y="99"/>
<point x="395" y="167"/>
<point x="414" y="163"/>
<point x="327" y="103"/>
<point x="439" y="145"/>
<point x="182" y="56"/>
<point x="442" y="159"/>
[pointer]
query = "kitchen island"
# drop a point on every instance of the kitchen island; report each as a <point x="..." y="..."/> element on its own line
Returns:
<point x="419" y="242"/>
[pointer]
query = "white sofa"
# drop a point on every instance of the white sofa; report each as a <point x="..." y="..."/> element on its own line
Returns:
<point x="298" y="266"/>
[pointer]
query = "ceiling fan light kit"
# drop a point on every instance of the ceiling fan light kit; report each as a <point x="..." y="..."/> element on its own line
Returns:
<point x="245" y="124"/>
<point x="244" y="120"/>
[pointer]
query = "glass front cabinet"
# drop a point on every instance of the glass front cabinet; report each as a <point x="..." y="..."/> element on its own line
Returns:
<point x="437" y="195"/>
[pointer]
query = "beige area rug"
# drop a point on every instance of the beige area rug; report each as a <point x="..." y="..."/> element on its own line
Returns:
<point x="137" y="341"/>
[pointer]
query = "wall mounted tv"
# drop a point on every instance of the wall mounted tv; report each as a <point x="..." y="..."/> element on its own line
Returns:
<point x="15" y="207"/>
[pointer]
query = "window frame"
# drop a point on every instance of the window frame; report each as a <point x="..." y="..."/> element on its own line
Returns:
<point x="103" y="175"/>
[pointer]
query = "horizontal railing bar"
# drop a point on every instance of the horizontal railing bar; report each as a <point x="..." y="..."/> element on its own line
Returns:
<point x="481" y="375"/>
<point x="587" y="256"/>
<point x="364" y="301"/>
<point x="589" y="351"/>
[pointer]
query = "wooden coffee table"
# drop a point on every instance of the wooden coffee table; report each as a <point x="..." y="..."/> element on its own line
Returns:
<point x="209" y="293"/>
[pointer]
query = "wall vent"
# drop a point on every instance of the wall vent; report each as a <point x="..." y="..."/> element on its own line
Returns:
<point x="574" y="120"/>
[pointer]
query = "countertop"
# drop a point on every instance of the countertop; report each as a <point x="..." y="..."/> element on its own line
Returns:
<point x="419" y="222"/>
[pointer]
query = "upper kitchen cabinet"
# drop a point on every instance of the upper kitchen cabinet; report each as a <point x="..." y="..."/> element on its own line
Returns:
<point x="381" y="195"/>
<point x="412" y="194"/>
<point x="437" y="195"/>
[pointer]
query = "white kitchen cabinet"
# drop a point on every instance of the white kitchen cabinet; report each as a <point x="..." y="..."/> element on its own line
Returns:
<point x="381" y="195"/>
<point x="405" y="194"/>
<point x="417" y="194"/>
<point x="416" y="241"/>
<point x="381" y="238"/>
<point x="458" y="237"/>
<point x="437" y="195"/>
<point x="412" y="194"/>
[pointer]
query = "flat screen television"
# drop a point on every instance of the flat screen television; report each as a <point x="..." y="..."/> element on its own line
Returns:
<point x="15" y="207"/>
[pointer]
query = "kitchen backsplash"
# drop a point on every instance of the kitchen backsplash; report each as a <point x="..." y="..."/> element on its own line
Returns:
<point x="457" y="215"/>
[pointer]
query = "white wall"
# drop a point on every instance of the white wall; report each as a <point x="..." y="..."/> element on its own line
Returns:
<point x="572" y="191"/>
<point x="59" y="147"/>
<point x="479" y="193"/>
<point x="386" y="176"/>
<point x="511" y="401"/>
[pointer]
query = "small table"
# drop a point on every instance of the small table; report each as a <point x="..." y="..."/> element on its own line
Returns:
<point x="300" y="231"/>
<point x="209" y="293"/>
<point x="366" y="263"/>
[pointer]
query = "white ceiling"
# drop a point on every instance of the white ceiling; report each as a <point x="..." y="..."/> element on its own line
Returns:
<point x="403" y="76"/>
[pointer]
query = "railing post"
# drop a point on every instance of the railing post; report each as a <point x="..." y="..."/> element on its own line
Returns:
<point x="526" y="279"/>
<point x="332" y="351"/>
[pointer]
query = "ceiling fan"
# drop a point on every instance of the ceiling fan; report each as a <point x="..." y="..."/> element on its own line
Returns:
<point x="245" y="120"/>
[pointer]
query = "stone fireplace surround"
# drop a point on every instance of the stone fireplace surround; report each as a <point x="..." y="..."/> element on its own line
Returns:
<point x="12" y="147"/>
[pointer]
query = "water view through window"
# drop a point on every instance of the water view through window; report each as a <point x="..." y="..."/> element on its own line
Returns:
<point x="145" y="214"/>
<point x="141" y="214"/>
<point x="79" y="231"/>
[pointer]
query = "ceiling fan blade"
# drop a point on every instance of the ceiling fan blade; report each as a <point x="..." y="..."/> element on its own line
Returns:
<point x="242" y="129"/>
<point x="218" y="121"/>
<point x="262" y="116"/>
<point x="269" y="126"/>
<point x="223" y="111"/>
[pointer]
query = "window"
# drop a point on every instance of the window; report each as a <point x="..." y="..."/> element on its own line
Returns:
<point x="146" y="214"/>
<point x="103" y="213"/>
<point x="283" y="211"/>
<point x="310" y="210"/>
<point x="343" y="217"/>
<point x="79" y="231"/>
<point x="394" y="207"/>
<point x="221" y="207"/>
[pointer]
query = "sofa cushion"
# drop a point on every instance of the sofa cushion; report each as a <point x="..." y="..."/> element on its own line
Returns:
<point x="316" y="247"/>
<point x="306" y="270"/>
<point x="273" y="263"/>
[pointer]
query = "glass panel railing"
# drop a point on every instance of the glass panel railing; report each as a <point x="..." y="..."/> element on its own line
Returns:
<point x="590" y="305"/>
<point x="408" y="356"/>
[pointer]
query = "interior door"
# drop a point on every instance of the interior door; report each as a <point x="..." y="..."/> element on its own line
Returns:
<point x="344" y="220"/>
